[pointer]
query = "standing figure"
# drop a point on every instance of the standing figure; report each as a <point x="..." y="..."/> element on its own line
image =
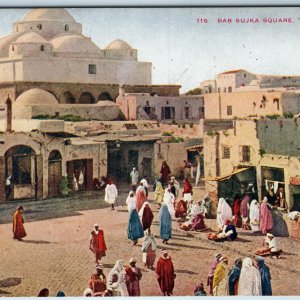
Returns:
<point x="75" y="184"/>
<point x="148" y="248"/>
<point x="134" y="177"/>
<point x="132" y="278"/>
<point x="145" y="185"/>
<point x="236" y="209"/>
<point x="8" y="187"/>
<point x="220" y="278"/>
<point x="176" y="185"/>
<point x="211" y="271"/>
<point x="140" y="197"/>
<point x="65" y="191"/>
<point x="205" y="207"/>
<point x="165" y="172"/>
<point x="233" y="277"/>
<point x="80" y="181"/>
<point x="135" y="229"/>
<point x="224" y="212"/>
<point x="165" y="273"/>
<point x="116" y="279"/>
<point x="159" y="193"/>
<point x="188" y="167"/>
<point x="18" y="221"/>
<point x="264" y="271"/>
<point x="169" y="200"/>
<point x="98" y="281"/>
<point x="131" y="202"/>
<point x="97" y="243"/>
<point x="165" y="223"/>
<point x="266" y="220"/>
<point x="187" y="191"/>
<point x="280" y="198"/>
<point x="245" y="212"/>
<point x="254" y="215"/>
<point x="146" y="216"/>
<point x="111" y="194"/>
<point x="249" y="282"/>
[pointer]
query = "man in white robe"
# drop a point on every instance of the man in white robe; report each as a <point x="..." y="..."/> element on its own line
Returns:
<point x="134" y="177"/>
<point x="111" y="194"/>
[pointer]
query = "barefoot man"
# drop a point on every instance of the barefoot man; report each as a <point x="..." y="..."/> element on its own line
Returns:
<point x="97" y="243"/>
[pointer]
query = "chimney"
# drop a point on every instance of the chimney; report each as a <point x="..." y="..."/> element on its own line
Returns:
<point x="8" y="114"/>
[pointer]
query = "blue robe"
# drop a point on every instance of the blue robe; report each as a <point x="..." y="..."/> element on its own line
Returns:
<point x="165" y="223"/>
<point x="135" y="229"/>
<point x="233" y="276"/>
<point x="265" y="279"/>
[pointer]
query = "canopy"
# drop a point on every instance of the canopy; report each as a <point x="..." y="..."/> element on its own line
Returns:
<point x="220" y="178"/>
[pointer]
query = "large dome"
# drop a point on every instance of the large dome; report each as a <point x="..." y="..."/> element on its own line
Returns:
<point x="74" y="44"/>
<point x="118" y="45"/>
<point x="48" y="14"/>
<point x="36" y="97"/>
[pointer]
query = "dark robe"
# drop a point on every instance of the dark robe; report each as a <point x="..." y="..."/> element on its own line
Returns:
<point x="147" y="217"/>
<point x="265" y="279"/>
<point x="236" y="210"/>
<point x="135" y="229"/>
<point x="233" y="279"/>
<point x="165" y="172"/>
<point x="233" y="236"/>
<point x="198" y="222"/>
<point x="165" y="271"/>
<point x="98" y="243"/>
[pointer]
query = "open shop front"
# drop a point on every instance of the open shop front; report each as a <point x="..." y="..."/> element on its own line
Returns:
<point x="240" y="182"/>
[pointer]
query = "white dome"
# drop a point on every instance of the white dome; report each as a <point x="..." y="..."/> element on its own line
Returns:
<point x="35" y="97"/>
<point x="74" y="44"/>
<point x="48" y="14"/>
<point x="31" y="37"/>
<point x="118" y="45"/>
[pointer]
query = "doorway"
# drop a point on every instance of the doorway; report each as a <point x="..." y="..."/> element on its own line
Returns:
<point x="54" y="173"/>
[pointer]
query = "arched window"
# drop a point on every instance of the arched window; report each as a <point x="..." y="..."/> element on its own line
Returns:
<point x="86" y="98"/>
<point x="42" y="47"/>
<point x="13" y="48"/>
<point x="104" y="96"/>
<point x="39" y="26"/>
<point x="66" y="27"/>
<point x="67" y="98"/>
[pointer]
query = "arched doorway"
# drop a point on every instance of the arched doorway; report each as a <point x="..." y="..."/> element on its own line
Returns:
<point x="21" y="165"/>
<point x="54" y="173"/>
<point x="104" y="96"/>
<point x="67" y="98"/>
<point x="86" y="98"/>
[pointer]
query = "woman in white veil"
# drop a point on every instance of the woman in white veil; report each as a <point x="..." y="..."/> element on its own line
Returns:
<point x="224" y="212"/>
<point x="254" y="215"/>
<point x="250" y="280"/>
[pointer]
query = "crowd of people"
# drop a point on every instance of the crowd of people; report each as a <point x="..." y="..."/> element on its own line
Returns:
<point x="124" y="279"/>
<point x="247" y="277"/>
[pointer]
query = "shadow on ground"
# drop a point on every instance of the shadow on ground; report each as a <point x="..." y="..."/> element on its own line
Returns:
<point x="11" y="281"/>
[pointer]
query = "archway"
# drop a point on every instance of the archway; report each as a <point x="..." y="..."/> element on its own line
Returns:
<point x="67" y="98"/>
<point x="21" y="165"/>
<point x="86" y="98"/>
<point x="104" y="96"/>
<point x="54" y="173"/>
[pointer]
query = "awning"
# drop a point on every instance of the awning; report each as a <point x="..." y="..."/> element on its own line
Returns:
<point x="220" y="178"/>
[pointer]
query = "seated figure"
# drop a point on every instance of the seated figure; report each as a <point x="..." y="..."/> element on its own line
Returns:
<point x="196" y="223"/>
<point x="228" y="233"/>
<point x="270" y="246"/>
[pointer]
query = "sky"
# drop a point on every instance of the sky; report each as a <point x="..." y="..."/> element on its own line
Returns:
<point x="186" y="51"/>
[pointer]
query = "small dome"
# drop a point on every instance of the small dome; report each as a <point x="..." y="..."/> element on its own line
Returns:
<point x="30" y="37"/>
<point x="48" y="14"/>
<point x="118" y="45"/>
<point x="35" y="97"/>
<point x="74" y="44"/>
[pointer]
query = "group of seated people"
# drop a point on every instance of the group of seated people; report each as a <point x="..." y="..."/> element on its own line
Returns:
<point x="193" y="213"/>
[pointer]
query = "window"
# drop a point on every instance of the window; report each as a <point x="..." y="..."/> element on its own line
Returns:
<point x="245" y="153"/>
<point x="186" y="112"/>
<point x="224" y="90"/>
<point x="245" y="75"/>
<point x="226" y="152"/>
<point x="13" y="48"/>
<point x="229" y="89"/>
<point x="150" y="111"/>
<point x="92" y="69"/>
<point x="66" y="27"/>
<point x="167" y="113"/>
<point x="229" y="110"/>
<point x="42" y="47"/>
<point x="39" y="26"/>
